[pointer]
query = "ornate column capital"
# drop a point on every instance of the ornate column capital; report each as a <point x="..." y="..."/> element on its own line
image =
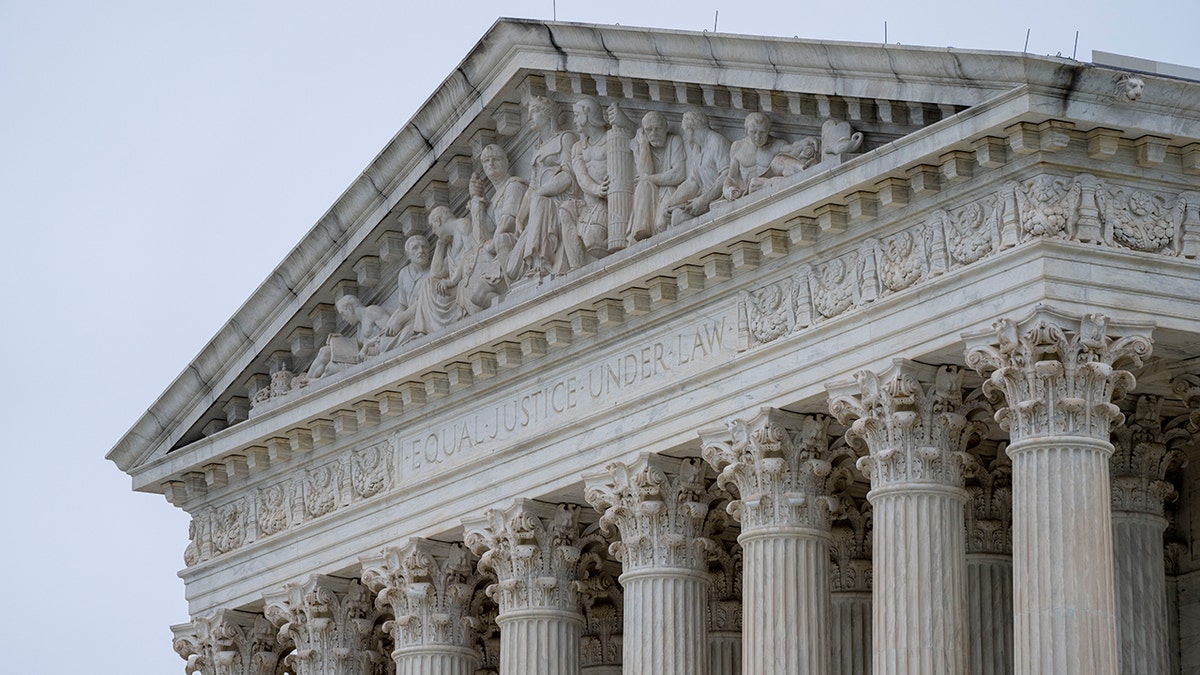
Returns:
<point x="1058" y="375"/>
<point x="1145" y="448"/>
<point x="783" y="467"/>
<point x="603" y="604"/>
<point x="850" y="552"/>
<point x="228" y="642"/>
<point x="725" y="573"/>
<point x="913" y="432"/>
<point x="329" y="620"/>
<point x="660" y="515"/>
<point x="427" y="586"/>
<point x="537" y="553"/>
<point x="989" y="508"/>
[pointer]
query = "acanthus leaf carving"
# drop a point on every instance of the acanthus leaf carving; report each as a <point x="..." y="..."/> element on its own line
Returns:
<point x="659" y="516"/>
<point x="989" y="508"/>
<point x="850" y="549"/>
<point x="329" y="621"/>
<point x="784" y="469"/>
<point x="912" y="431"/>
<point x="228" y="642"/>
<point x="1057" y="376"/>
<point x="1147" y="447"/>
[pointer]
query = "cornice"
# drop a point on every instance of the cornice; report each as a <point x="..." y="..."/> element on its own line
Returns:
<point x="512" y="48"/>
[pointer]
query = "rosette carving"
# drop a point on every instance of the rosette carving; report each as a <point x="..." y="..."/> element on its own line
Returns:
<point x="228" y="642"/>
<point x="1146" y="449"/>
<point x="782" y="466"/>
<point x="989" y="508"/>
<point x="913" y="432"/>
<point x="850" y="551"/>
<point x="329" y="620"/>
<point x="427" y="587"/>
<point x="537" y="555"/>
<point x="660" y="516"/>
<point x="1058" y="377"/>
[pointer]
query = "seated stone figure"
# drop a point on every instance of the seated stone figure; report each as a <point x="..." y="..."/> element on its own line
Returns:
<point x="341" y="351"/>
<point x="759" y="159"/>
<point x="659" y="160"/>
<point x="432" y="298"/>
<point x="495" y="220"/>
<point x="707" y="165"/>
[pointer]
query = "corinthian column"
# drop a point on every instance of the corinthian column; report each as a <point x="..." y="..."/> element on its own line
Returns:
<point x="780" y="466"/>
<point x="916" y="436"/>
<point x="850" y="598"/>
<point x="536" y="553"/>
<point x="1059" y="378"/>
<point x="663" y="551"/>
<point x="602" y="600"/>
<point x="989" y="569"/>
<point x="428" y="586"/>
<point x="329" y="620"/>
<point x="1144" y="453"/>
<point x="228" y="642"/>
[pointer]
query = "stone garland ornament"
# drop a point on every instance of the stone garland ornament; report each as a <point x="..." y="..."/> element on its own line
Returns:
<point x="1047" y="206"/>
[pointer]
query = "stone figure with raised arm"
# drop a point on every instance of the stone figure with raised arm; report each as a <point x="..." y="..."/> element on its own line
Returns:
<point x="660" y="162"/>
<point x="341" y="351"/>
<point x="538" y="248"/>
<point x="434" y="300"/>
<point x="759" y="159"/>
<point x="587" y="228"/>
<point x="707" y="167"/>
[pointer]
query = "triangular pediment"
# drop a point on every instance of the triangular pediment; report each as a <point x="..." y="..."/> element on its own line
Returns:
<point x="828" y="103"/>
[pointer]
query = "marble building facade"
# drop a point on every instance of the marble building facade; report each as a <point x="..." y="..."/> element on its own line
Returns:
<point x="656" y="352"/>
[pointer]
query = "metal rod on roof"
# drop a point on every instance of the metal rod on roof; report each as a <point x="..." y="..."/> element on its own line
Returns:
<point x="1076" y="49"/>
<point x="554" y="9"/>
<point x="885" y="32"/>
<point x="716" y="13"/>
<point x="1027" y="32"/>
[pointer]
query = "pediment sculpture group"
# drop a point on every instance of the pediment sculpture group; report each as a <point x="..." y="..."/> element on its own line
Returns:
<point x="602" y="187"/>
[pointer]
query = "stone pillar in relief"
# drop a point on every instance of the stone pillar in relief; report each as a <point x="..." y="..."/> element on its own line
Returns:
<point x="660" y="517"/>
<point x="989" y="568"/>
<point x="916" y="436"/>
<point x="603" y="615"/>
<point x="782" y="469"/>
<point x="724" y="599"/>
<point x="427" y="587"/>
<point x="228" y="642"/>
<point x="1144" y="452"/>
<point x="850" y="599"/>
<point x="330" y="621"/>
<point x="537" y="555"/>
<point x="1059" y="377"/>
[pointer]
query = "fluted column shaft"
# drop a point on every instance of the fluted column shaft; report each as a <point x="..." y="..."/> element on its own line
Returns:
<point x="1063" y="611"/>
<point x="539" y="642"/>
<point x="785" y="611"/>
<point x="665" y="621"/>
<point x="1141" y="582"/>
<point x="851" y="635"/>
<point x="435" y="660"/>
<point x="724" y="653"/>
<point x="990" y="607"/>
<point x="919" y="612"/>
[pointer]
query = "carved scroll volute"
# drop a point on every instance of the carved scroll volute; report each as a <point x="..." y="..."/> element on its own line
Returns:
<point x="659" y="516"/>
<point x="1058" y="376"/>
<point x="328" y="619"/>
<point x="537" y="553"/>
<point x="228" y="642"/>
<point x="427" y="587"/>
<point x="911" y="431"/>
<point x="783" y="467"/>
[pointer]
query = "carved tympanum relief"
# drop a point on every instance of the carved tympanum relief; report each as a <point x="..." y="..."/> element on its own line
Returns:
<point x="1080" y="208"/>
<point x="605" y="184"/>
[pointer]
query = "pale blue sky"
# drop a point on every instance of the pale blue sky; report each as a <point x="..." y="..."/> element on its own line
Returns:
<point x="158" y="159"/>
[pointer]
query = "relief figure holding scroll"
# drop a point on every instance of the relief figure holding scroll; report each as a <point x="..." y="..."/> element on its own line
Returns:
<point x="659" y="160"/>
